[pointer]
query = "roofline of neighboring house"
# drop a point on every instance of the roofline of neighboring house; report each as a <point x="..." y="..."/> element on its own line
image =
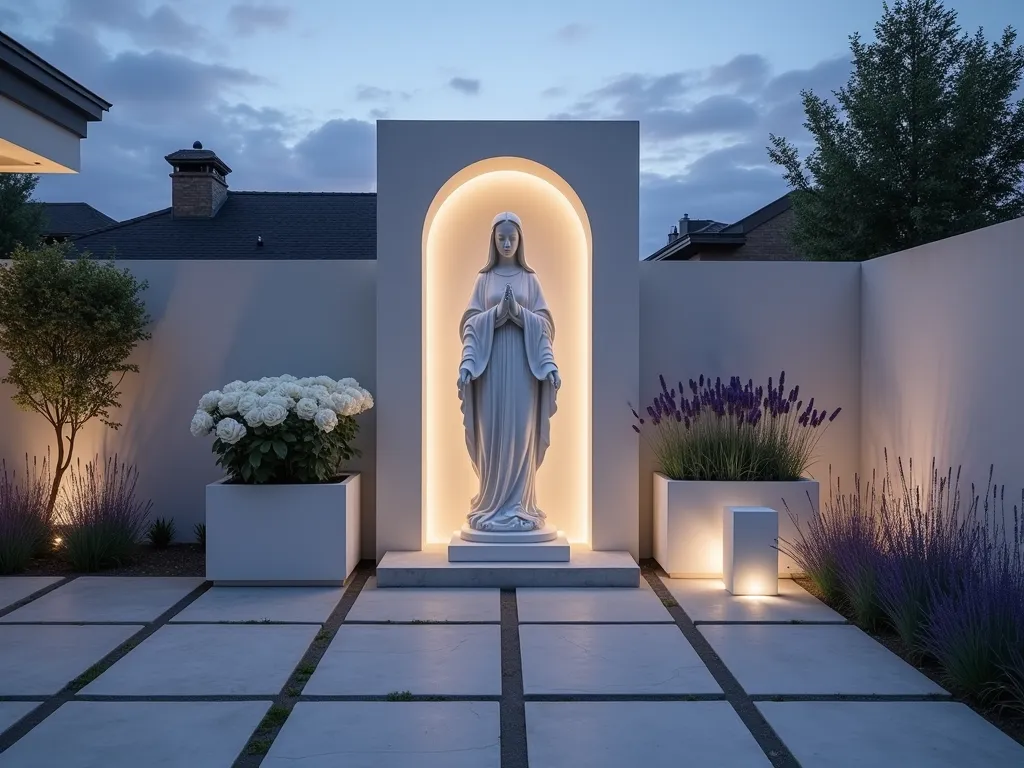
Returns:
<point x="125" y="223"/>
<point x="39" y="86"/>
<point x="762" y="215"/>
<point x="730" y="238"/>
<point x="686" y="245"/>
<point x="163" y="211"/>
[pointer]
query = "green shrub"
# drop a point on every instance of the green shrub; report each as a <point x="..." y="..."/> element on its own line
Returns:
<point x="161" y="533"/>
<point x="200" y="533"/>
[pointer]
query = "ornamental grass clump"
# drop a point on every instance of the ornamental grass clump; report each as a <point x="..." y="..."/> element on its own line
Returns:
<point x="283" y="429"/>
<point x="102" y="519"/>
<point x="734" y="431"/>
<point x="25" y="528"/>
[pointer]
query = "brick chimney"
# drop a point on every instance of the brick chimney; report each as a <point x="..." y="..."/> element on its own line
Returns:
<point x="198" y="182"/>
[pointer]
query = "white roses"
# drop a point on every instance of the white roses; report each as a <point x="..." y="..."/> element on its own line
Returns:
<point x="271" y="401"/>
<point x="230" y="431"/>
<point x="325" y="420"/>
<point x="202" y="424"/>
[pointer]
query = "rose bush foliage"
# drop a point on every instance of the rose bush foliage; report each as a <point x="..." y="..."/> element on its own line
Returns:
<point x="283" y="429"/>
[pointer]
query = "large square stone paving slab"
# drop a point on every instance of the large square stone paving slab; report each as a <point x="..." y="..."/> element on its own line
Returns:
<point x="208" y="660"/>
<point x="448" y="734"/>
<point x="589" y="605"/>
<point x="917" y="734"/>
<point x="12" y="711"/>
<point x="652" y="734"/>
<point x="40" y="660"/>
<point x="285" y="604"/>
<point x="15" y="588"/>
<point x="708" y="600"/>
<point x="424" y="659"/>
<point x="610" y="659"/>
<point x="107" y="598"/>
<point x="108" y="734"/>
<point x="403" y="604"/>
<point x="814" y="660"/>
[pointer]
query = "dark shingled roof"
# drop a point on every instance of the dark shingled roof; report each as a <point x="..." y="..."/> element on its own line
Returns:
<point x="72" y="219"/>
<point x="293" y="225"/>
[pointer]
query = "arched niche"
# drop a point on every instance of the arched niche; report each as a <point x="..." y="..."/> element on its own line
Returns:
<point x="559" y="246"/>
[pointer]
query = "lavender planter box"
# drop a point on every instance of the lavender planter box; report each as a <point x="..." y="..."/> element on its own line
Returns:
<point x="282" y="534"/>
<point x="688" y="526"/>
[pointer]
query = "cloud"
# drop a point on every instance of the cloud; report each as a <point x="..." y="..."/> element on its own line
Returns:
<point x="466" y="85"/>
<point x="9" y="18"/>
<point x="554" y="92"/>
<point x="373" y="93"/>
<point x="248" y="18"/>
<point x="163" y="27"/>
<point x="746" y="73"/>
<point x="572" y="33"/>
<point x="165" y="101"/>
<point x="705" y="132"/>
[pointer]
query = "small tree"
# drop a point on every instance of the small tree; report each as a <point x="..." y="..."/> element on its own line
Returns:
<point x="68" y="326"/>
<point x="21" y="221"/>
<point x="926" y="141"/>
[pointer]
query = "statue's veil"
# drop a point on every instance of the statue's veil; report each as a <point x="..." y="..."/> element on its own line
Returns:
<point x="492" y="250"/>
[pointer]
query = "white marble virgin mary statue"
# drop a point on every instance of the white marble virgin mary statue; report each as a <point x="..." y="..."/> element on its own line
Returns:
<point x="507" y="384"/>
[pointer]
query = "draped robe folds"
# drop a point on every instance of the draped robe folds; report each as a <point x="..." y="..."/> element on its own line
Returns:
<point x="508" y="403"/>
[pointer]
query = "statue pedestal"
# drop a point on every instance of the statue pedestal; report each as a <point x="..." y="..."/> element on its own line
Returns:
<point x="546" y="545"/>
<point x="536" y="536"/>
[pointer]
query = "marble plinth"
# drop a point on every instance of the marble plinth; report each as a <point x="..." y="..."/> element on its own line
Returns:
<point x="547" y="533"/>
<point x="550" y="551"/>
<point x="430" y="567"/>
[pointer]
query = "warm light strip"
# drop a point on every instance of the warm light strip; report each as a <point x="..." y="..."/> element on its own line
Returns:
<point x="454" y="250"/>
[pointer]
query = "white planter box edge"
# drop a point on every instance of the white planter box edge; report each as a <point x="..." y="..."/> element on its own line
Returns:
<point x="688" y="520"/>
<point x="286" y="535"/>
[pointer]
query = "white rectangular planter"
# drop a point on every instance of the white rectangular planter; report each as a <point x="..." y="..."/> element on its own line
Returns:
<point x="282" y="534"/>
<point x="688" y="520"/>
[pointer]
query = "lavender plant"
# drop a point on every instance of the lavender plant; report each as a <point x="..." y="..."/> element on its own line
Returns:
<point x="24" y="516"/>
<point x="839" y="548"/>
<point x="734" y="431"/>
<point x="977" y="621"/>
<point x="103" y="518"/>
<point x="929" y="547"/>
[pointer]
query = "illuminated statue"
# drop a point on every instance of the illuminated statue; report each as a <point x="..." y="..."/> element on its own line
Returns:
<point x="507" y="383"/>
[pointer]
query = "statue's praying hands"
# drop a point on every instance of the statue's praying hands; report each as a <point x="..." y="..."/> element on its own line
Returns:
<point x="509" y="307"/>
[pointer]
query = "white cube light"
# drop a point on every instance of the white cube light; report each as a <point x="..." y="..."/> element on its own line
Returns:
<point x="750" y="562"/>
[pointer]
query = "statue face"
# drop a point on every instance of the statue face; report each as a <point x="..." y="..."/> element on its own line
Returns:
<point x="506" y="238"/>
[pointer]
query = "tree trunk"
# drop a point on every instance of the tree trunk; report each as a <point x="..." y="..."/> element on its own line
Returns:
<point x="59" y="468"/>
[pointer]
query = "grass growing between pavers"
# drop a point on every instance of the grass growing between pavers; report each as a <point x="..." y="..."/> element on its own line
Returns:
<point x="262" y="738"/>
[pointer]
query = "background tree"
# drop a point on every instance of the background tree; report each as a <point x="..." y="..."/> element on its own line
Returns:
<point x="68" y="327"/>
<point x="20" y="220"/>
<point x="926" y="141"/>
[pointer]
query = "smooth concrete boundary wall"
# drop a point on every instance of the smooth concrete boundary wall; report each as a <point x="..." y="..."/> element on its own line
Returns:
<point x="942" y="363"/>
<point x="754" y="320"/>
<point x="215" y="321"/>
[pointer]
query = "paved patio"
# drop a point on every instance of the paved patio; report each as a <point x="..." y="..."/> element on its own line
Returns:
<point x="119" y="672"/>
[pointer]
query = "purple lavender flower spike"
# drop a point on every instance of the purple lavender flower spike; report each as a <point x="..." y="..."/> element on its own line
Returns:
<point x="637" y="415"/>
<point x="636" y="428"/>
<point x="834" y="414"/>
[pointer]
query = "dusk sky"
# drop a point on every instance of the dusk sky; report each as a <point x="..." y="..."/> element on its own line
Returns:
<point x="287" y="91"/>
